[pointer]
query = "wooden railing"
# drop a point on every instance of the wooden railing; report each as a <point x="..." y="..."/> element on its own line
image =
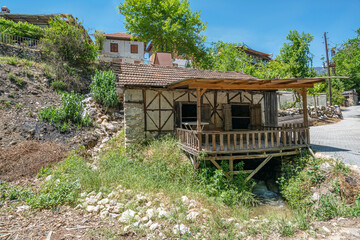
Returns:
<point x="20" y="41"/>
<point x="189" y="139"/>
<point x="277" y="138"/>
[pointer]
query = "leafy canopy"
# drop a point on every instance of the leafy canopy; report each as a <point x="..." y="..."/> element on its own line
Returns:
<point x="347" y="62"/>
<point x="22" y="29"/>
<point x="170" y="25"/>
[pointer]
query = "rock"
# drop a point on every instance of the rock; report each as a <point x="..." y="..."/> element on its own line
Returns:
<point x="141" y="199"/>
<point x="127" y="216"/>
<point x="144" y="219"/>
<point x="109" y="126"/>
<point x="136" y="224"/>
<point x="238" y="226"/>
<point x="192" y="216"/>
<point x="185" y="200"/>
<point x="98" y="196"/>
<point x="114" y="215"/>
<point x="150" y="213"/>
<point x="48" y="178"/>
<point x="148" y="224"/>
<point x="326" y="229"/>
<point x="315" y="197"/>
<point x="164" y="214"/>
<point x="154" y="226"/>
<point x="104" y="201"/>
<point x="22" y="208"/>
<point x="126" y="228"/>
<point x="104" y="214"/>
<point x="180" y="229"/>
<point x="90" y="208"/>
<point x="326" y="167"/>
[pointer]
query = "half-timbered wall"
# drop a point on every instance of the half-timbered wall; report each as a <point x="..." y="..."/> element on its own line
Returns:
<point x="154" y="110"/>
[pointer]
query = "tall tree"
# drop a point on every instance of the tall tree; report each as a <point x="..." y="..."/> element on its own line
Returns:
<point x="347" y="62"/>
<point x="296" y="54"/>
<point x="170" y="25"/>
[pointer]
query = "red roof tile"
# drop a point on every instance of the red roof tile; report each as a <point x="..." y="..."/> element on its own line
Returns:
<point x="161" y="76"/>
<point x="118" y="35"/>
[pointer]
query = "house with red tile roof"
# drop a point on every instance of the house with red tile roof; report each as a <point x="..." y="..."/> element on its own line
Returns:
<point x="122" y="47"/>
<point x="226" y="115"/>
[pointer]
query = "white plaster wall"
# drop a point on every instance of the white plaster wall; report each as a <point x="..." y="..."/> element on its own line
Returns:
<point x="124" y="50"/>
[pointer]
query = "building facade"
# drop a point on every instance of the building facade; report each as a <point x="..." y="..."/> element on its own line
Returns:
<point x="120" y="47"/>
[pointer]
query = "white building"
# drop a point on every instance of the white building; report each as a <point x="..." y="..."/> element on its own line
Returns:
<point x="119" y="47"/>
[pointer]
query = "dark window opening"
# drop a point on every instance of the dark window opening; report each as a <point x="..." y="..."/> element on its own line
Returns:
<point x="189" y="112"/>
<point x="114" y="47"/>
<point x="240" y="116"/>
<point x="134" y="48"/>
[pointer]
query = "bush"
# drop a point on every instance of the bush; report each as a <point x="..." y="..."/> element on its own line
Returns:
<point x="67" y="41"/>
<point x="22" y="29"/>
<point x="104" y="89"/>
<point x="58" y="85"/>
<point x="70" y="111"/>
<point x="232" y="192"/>
<point x="329" y="208"/>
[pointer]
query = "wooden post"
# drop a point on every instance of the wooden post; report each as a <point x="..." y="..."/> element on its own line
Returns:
<point x="305" y="111"/>
<point x="198" y="126"/>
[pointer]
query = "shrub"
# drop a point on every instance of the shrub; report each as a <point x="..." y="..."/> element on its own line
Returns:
<point x="70" y="111"/>
<point x="104" y="89"/>
<point x="232" y="192"/>
<point x="66" y="41"/>
<point x="329" y="208"/>
<point x="58" y="85"/>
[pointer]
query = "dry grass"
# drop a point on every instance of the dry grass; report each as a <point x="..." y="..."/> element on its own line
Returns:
<point x="26" y="159"/>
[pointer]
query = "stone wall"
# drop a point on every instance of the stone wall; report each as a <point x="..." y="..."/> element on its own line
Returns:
<point x="22" y="52"/>
<point x="134" y="116"/>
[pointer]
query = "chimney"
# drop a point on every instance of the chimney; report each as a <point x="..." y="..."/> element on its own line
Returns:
<point x="163" y="59"/>
<point x="5" y="9"/>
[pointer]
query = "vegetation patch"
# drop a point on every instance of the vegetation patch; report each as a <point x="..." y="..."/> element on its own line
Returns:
<point x="103" y="88"/>
<point x="70" y="112"/>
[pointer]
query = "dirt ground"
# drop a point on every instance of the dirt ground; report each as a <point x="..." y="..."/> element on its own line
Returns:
<point x="61" y="223"/>
<point x="26" y="159"/>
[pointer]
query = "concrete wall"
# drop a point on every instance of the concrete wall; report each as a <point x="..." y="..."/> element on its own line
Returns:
<point x="284" y="98"/>
<point x="22" y="52"/>
<point x="124" y="52"/>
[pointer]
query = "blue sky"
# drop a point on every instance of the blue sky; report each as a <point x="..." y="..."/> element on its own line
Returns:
<point x="262" y="25"/>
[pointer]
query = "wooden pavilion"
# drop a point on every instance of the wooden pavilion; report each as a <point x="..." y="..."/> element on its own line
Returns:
<point x="227" y="116"/>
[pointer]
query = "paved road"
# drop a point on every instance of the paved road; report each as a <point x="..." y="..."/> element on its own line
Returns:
<point x="340" y="140"/>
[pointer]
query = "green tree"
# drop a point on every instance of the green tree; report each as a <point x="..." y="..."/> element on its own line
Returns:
<point x="65" y="41"/>
<point x="99" y="39"/>
<point x="170" y="25"/>
<point x="347" y="62"/>
<point x="296" y="55"/>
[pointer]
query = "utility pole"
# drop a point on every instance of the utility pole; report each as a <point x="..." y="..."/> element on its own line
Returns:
<point x="328" y="68"/>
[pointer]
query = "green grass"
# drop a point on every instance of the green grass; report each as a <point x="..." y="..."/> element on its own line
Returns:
<point x="17" y="80"/>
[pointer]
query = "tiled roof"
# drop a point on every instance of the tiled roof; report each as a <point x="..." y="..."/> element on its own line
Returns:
<point x="118" y="35"/>
<point x="161" y="76"/>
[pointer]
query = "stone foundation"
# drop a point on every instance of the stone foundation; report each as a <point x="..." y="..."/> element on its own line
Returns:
<point x="134" y="122"/>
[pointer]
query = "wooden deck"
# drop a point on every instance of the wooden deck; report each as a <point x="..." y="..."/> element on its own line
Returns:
<point x="272" y="139"/>
<point x="239" y="145"/>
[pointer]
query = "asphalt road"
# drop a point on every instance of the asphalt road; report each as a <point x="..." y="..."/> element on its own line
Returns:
<point x="340" y="140"/>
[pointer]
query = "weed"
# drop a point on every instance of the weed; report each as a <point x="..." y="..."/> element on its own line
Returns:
<point x="70" y="111"/>
<point x="58" y="85"/>
<point x="287" y="229"/>
<point x="104" y="89"/>
<point x="303" y="218"/>
<point x="18" y="80"/>
<point x="44" y="172"/>
<point x="19" y="106"/>
<point x="11" y="76"/>
<point x="11" y="95"/>
<point x="12" y="61"/>
<point x="340" y="167"/>
<point x="329" y="208"/>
